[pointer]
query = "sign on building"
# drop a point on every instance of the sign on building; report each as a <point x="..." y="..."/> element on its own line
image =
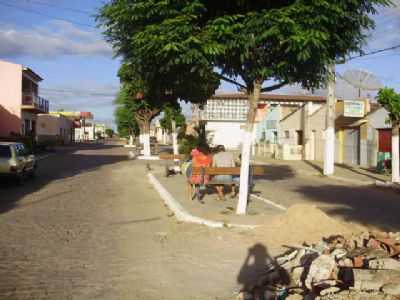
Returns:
<point x="355" y="109"/>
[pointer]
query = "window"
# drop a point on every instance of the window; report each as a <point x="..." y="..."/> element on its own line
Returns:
<point x="287" y="134"/>
<point x="5" y="151"/>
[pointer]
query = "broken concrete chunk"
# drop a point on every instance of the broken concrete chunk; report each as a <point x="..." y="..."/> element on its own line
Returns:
<point x="321" y="269"/>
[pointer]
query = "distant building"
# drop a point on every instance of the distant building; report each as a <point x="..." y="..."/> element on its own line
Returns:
<point x="20" y="102"/>
<point x="100" y="130"/>
<point x="225" y="116"/>
<point x="54" y="128"/>
<point x="82" y="123"/>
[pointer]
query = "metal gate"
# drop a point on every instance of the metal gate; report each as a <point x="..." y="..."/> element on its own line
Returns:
<point x="351" y="146"/>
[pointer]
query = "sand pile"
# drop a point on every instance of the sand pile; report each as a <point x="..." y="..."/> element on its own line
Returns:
<point x="303" y="223"/>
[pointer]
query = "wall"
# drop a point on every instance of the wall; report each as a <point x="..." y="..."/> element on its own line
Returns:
<point x="294" y="122"/>
<point x="10" y="98"/>
<point x="269" y="124"/>
<point x="229" y="134"/>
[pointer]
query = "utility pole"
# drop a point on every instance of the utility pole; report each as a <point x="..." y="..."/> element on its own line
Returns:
<point x="329" y="151"/>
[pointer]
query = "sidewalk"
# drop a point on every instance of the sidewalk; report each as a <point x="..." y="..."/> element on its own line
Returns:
<point x="348" y="174"/>
<point x="213" y="209"/>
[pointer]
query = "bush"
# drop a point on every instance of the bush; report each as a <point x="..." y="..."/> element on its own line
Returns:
<point x="187" y="143"/>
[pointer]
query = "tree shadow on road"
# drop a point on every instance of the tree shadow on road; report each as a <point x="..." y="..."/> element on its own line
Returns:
<point x="260" y="273"/>
<point x="66" y="163"/>
<point x="277" y="172"/>
<point x="367" y="205"/>
<point x="320" y="170"/>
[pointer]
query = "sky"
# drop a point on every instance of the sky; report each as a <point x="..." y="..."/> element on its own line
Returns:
<point x="59" y="40"/>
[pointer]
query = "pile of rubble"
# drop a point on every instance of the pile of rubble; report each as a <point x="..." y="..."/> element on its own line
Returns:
<point x="366" y="266"/>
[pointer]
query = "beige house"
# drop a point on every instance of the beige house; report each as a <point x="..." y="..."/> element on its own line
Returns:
<point x="292" y="133"/>
<point x="54" y="128"/>
<point x="302" y="132"/>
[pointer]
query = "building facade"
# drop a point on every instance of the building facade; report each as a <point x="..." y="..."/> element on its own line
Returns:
<point x="54" y="128"/>
<point x="20" y="102"/>
<point x="226" y="114"/>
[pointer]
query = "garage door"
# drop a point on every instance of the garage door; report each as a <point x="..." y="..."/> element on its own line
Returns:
<point x="352" y="146"/>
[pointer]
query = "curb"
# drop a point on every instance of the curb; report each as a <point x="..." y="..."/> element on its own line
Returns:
<point x="272" y="203"/>
<point x="182" y="215"/>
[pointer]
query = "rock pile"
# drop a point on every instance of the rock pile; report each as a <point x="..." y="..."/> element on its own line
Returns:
<point x="366" y="266"/>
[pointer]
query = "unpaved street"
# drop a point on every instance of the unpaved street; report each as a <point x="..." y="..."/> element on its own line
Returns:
<point x="91" y="227"/>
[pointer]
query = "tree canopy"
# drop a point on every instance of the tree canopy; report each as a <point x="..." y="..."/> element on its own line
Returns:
<point x="390" y="100"/>
<point x="284" y="40"/>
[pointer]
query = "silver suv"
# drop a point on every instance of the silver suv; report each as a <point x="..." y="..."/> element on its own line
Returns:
<point x="15" y="161"/>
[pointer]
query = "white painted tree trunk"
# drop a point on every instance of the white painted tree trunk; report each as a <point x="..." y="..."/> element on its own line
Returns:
<point x="395" y="152"/>
<point x="329" y="151"/>
<point x="246" y="149"/>
<point x="130" y="140"/>
<point x="244" y="173"/>
<point x="146" y="144"/>
<point x="174" y="138"/>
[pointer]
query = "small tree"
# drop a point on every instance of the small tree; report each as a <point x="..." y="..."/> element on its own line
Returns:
<point x="171" y="120"/>
<point x="124" y="117"/>
<point x="109" y="132"/>
<point x="390" y="100"/>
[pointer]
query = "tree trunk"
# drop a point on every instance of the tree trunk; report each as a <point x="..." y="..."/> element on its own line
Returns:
<point x="329" y="151"/>
<point x="174" y="138"/>
<point x="146" y="139"/>
<point x="395" y="152"/>
<point x="253" y="97"/>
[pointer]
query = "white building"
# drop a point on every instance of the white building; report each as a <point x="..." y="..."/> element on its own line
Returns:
<point x="225" y="115"/>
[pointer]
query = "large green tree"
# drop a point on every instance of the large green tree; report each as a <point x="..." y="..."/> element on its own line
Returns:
<point x="390" y="100"/>
<point x="247" y="42"/>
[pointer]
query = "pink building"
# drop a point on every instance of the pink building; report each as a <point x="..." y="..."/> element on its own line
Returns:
<point x="19" y="99"/>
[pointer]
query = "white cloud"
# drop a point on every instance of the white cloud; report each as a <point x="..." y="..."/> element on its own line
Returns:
<point x="55" y="39"/>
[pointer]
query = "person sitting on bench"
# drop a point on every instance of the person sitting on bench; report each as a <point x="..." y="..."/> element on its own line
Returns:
<point x="223" y="159"/>
<point x="200" y="158"/>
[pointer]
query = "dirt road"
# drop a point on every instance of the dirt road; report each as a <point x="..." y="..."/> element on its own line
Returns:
<point x="91" y="227"/>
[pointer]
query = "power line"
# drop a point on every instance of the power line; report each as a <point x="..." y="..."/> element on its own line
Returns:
<point x="374" y="52"/>
<point x="80" y="11"/>
<point x="45" y="15"/>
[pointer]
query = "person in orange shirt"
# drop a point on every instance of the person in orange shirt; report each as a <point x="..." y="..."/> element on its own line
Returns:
<point x="201" y="157"/>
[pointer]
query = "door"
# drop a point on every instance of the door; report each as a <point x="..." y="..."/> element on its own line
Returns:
<point x="351" y="146"/>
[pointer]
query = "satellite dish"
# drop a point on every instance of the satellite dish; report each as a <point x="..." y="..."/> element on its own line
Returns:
<point x="362" y="80"/>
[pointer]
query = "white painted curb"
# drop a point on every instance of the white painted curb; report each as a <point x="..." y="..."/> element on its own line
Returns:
<point x="184" y="216"/>
<point x="142" y="157"/>
<point x="276" y="205"/>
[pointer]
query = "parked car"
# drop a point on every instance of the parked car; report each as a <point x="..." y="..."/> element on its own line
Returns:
<point x="15" y="161"/>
